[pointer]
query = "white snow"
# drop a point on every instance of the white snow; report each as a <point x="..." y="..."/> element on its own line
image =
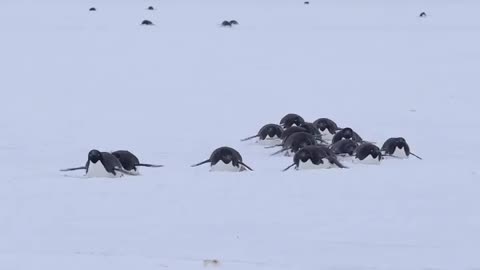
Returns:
<point x="74" y="80"/>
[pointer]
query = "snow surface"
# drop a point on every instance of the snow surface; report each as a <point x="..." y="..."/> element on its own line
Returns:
<point x="73" y="80"/>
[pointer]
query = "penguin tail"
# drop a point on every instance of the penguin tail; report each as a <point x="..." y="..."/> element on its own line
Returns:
<point x="201" y="163"/>
<point x="73" y="169"/>
<point x="249" y="138"/>
<point x="286" y="169"/>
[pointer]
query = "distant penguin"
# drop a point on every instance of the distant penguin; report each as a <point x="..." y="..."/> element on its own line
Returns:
<point x="130" y="162"/>
<point x="326" y="127"/>
<point x="226" y="24"/>
<point x="397" y="147"/>
<point x="267" y="132"/>
<point x="92" y="9"/>
<point x="306" y="2"/>
<point x="146" y="22"/>
<point x="423" y="14"/>
<point x="290" y="120"/>
<point x="225" y="159"/>
<point x="101" y="164"/>
<point x="344" y="147"/>
<point x="233" y="22"/>
<point x="368" y="153"/>
<point x="295" y="142"/>
<point x="346" y="134"/>
<point x="314" y="157"/>
<point x="151" y="8"/>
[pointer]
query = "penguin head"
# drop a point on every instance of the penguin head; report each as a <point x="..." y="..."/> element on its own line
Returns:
<point x="347" y="133"/>
<point x="94" y="156"/>
<point x="302" y="156"/>
<point x="375" y="152"/>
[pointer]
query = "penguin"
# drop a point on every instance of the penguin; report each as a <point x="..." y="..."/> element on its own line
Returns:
<point x="290" y="120"/>
<point x="151" y="8"/>
<point x="130" y="162"/>
<point x="101" y="164"/>
<point x="306" y="3"/>
<point x="368" y="153"/>
<point x="397" y="147"/>
<point x="92" y="9"/>
<point x="225" y="159"/>
<point x="295" y="142"/>
<point x="315" y="157"/>
<point x="346" y="134"/>
<point x="423" y="14"/>
<point x="326" y="127"/>
<point x="233" y="22"/>
<point x="291" y="130"/>
<point x="146" y="22"/>
<point x="226" y="24"/>
<point x="269" y="132"/>
<point x="344" y="147"/>
<point x="312" y="129"/>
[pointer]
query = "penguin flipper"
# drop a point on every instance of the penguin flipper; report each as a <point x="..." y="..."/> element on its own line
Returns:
<point x="245" y="165"/>
<point x="249" y="138"/>
<point x="280" y="151"/>
<point x="336" y="162"/>
<point x="286" y="169"/>
<point x="416" y="156"/>
<point x="201" y="163"/>
<point x="73" y="169"/>
<point x="148" y="165"/>
<point x="273" y="146"/>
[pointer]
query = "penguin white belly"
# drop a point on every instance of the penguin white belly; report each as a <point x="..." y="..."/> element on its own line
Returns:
<point x="399" y="153"/>
<point x="326" y="135"/>
<point x="308" y="165"/>
<point x="220" y="166"/>
<point x="368" y="160"/>
<point x="97" y="170"/>
<point x="270" y="141"/>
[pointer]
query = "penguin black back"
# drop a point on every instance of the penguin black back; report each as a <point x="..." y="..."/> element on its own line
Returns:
<point x="227" y="155"/>
<point x="344" y="147"/>
<point x="290" y="120"/>
<point x="267" y="131"/>
<point x="346" y="134"/>
<point x="146" y="22"/>
<point x="367" y="149"/>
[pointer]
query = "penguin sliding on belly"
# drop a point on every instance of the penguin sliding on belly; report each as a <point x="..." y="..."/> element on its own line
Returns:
<point x="326" y="127"/>
<point x="130" y="162"/>
<point x="290" y="120"/>
<point x="315" y="157"/>
<point x="268" y="133"/>
<point x="101" y="164"/>
<point x="367" y="153"/>
<point x="225" y="159"/>
<point x="295" y="142"/>
<point x="397" y="147"/>
<point x="347" y="134"/>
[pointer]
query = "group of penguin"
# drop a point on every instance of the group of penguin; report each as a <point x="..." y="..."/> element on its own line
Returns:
<point x="314" y="145"/>
<point x="322" y="144"/>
